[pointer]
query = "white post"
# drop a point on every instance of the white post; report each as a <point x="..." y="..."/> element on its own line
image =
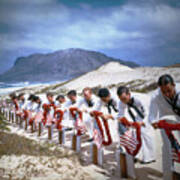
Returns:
<point x="13" y="117"/>
<point x="50" y="131"/>
<point x="39" y="128"/>
<point x="125" y="165"/>
<point x="76" y="143"/>
<point x="97" y="154"/>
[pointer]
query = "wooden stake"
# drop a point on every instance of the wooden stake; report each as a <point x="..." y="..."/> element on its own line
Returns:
<point x="6" y="114"/>
<point x="123" y="166"/>
<point x="97" y="155"/>
<point x="49" y="132"/>
<point x="32" y="127"/>
<point x="20" y="122"/>
<point x="61" y="136"/>
<point x="10" y="116"/>
<point x="13" y="117"/>
<point x="125" y="162"/>
<point x="176" y="176"/>
<point x="16" y="119"/>
<point x="26" y="124"/>
<point x="39" y="129"/>
<point x="76" y="143"/>
<point x="3" y="112"/>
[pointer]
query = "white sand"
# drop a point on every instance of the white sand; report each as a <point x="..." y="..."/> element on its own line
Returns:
<point x="47" y="168"/>
<point x="153" y="170"/>
<point x="111" y="73"/>
<point x="114" y="73"/>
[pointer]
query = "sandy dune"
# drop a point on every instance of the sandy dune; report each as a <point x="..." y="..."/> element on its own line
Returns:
<point x="110" y="75"/>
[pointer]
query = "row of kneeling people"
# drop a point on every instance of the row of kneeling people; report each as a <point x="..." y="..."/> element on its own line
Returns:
<point x="122" y="111"/>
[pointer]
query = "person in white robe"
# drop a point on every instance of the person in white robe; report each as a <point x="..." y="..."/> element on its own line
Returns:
<point x="60" y="101"/>
<point x="107" y="104"/>
<point x="21" y="101"/>
<point x="133" y="109"/>
<point x="51" y="109"/>
<point x="30" y="103"/>
<point x="165" y="102"/>
<point x="68" y="120"/>
<point x="85" y="105"/>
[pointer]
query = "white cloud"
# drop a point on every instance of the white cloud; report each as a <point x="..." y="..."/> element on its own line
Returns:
<point x="47" y="24"/>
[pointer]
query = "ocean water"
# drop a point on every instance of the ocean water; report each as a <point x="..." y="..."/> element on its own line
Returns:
<point x="8" y="85"/>
<point x="6" y="88"/>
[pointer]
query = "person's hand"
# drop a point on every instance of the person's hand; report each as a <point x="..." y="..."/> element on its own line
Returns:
<point x="107" y="116"/>
<point x="142" y="124"/>
<point x="91" y="113"/>
<point x="155" y="125"/>
<point x="124" y="121"/>
<point x="84" y="110"/>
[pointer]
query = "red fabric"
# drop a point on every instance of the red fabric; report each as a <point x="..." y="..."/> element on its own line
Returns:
<point x="169" y="127"/>
<point x="16" y="105"/>
<point x="31" y="121"/>
<point x="97" y="115"/>
<point x="46" y="108"/>
<point x="136" y="125"/>
<point x="25" y="114"/>
<point x="73" y="111"/>
<point x="17" y="110"/>
<point x="58" y="123"/>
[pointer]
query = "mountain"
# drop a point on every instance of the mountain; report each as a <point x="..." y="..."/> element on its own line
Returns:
<point x="57" y="66"/>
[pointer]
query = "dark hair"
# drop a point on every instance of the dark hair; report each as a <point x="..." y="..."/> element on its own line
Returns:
<point x="20" y="95"/>
<point x="103" y="92"/>
<point x="165" y="79"/>
<point x="31" y="97"/>
<point x="60" y="96"/>
<point x="12" y="95"/>
<point x="72" y="93"/>
<point x="121" y="90"/>
<point x="50" y="94"/>
<point x="35" y="98"/>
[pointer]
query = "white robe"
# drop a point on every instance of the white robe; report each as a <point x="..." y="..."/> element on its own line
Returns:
<point x="60" y="105"/>
<point x="159" y="108"/>
<point x="31" y="106"/>
<point x="68" y="120"/>
<point x="22" y="104"/>
<point x="102" y="107"/>
<point x="147" y="148"/>
<point x="38" y="108"/>
<point x="87" y="119"/>
<point x="28" y="105"/>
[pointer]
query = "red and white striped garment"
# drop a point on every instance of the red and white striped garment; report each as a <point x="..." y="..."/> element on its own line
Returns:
<point x="176" y="155"/>
<point x="169" y="127"/>
<point x="38" y="117"/>
<point x="98" y="139"/>
<point x="129" y="140"/>
<point x="79" y="125"/>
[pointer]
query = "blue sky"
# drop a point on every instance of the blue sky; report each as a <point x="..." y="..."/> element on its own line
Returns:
<point x="143" y="31"/>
